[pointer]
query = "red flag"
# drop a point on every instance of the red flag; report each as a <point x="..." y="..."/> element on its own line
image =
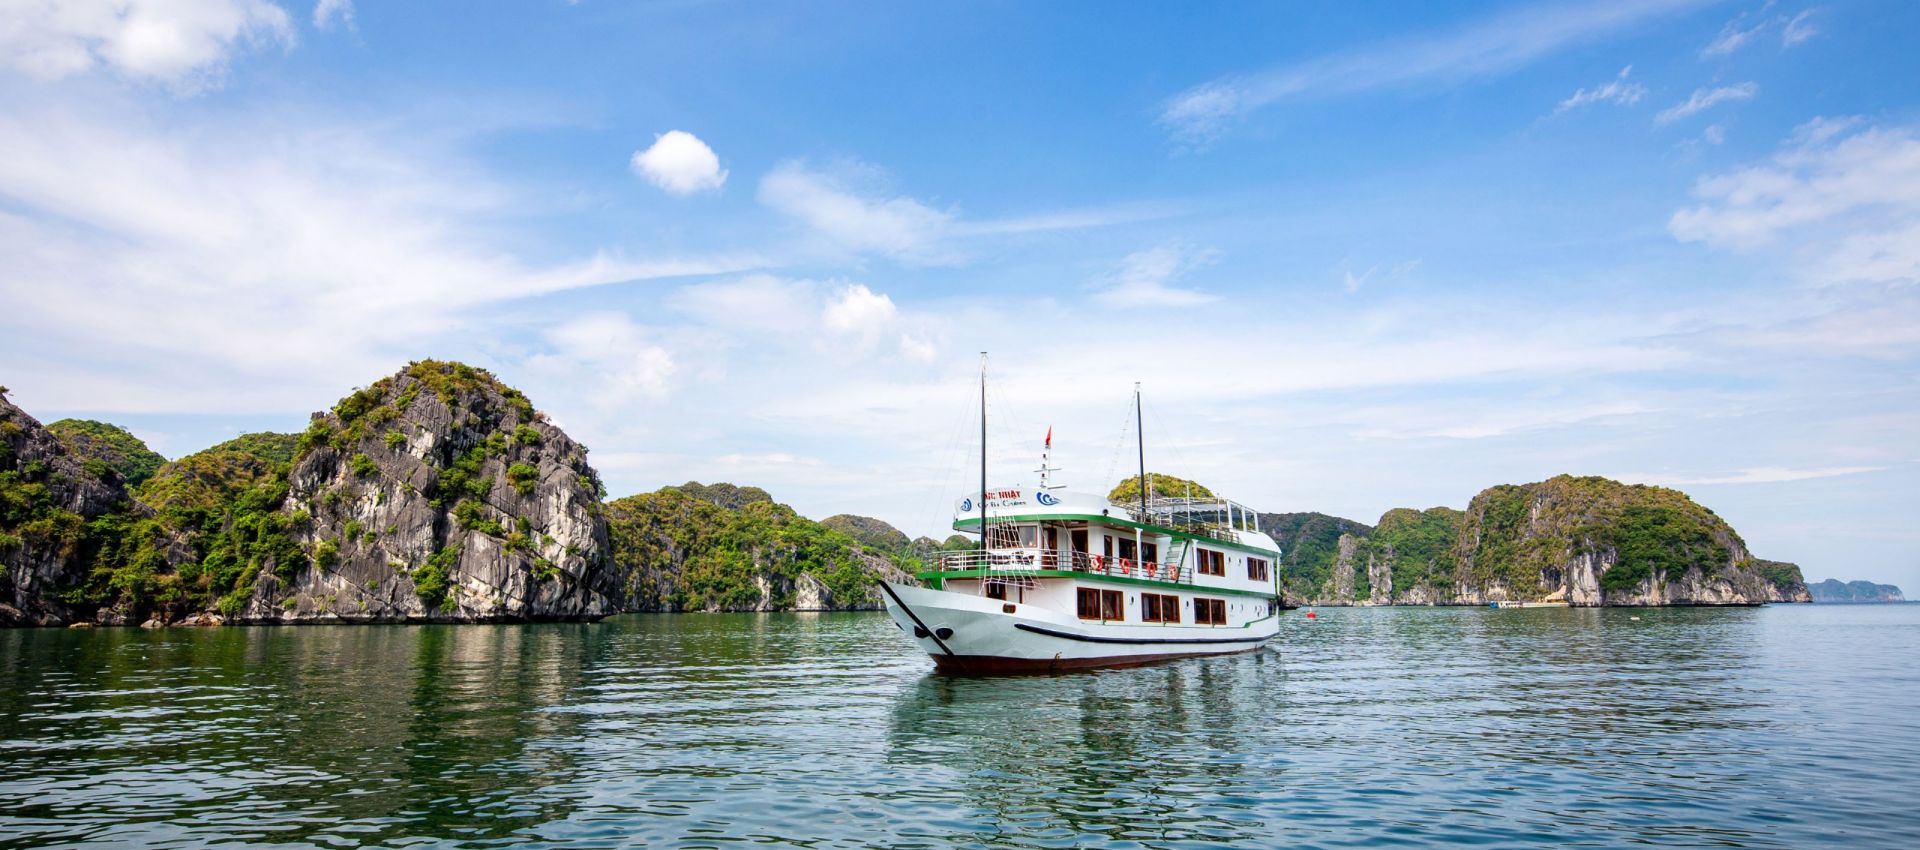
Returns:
<point x="1049" y="436"/>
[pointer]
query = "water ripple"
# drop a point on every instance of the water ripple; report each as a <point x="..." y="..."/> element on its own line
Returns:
<point x="1779" y="727"/>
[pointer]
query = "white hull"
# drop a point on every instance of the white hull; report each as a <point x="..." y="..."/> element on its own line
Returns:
<point x="968" y="633"/>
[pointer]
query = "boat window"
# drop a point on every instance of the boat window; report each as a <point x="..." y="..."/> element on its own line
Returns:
<point x="1211" y="563"/>
<point x="1150" y="553"/>
<point x="1210" y="612"/>
<point x="1159" y="608"/>
<point x="1257" y="569"/>
<point x="1107" y="545"/>
<point x="997" y="590"/>
<point x="1127" y="549"/>
<point x="1096" y="604"/>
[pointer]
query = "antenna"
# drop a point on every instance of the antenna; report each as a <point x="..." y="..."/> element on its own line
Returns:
<point x="1046" y="469"/>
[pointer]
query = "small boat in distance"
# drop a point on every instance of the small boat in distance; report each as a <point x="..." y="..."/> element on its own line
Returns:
<point x="1065" y="580"/>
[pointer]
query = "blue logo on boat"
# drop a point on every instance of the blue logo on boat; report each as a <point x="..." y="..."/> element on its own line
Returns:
<point x="966" y="505"/>
<point x="1046" y="498"/>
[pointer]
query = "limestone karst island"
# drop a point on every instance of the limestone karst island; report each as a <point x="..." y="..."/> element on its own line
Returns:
<point x="438" y="494"/>
<point x="959" y="424"/>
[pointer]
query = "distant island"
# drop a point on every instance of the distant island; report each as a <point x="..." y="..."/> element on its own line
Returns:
<point x="1586" y="541"/>
<point x="439" y="494"/>
<point x="1835" y="591"/>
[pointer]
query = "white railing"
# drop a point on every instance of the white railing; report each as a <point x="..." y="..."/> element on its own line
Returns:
<point x="1006" y="560"/>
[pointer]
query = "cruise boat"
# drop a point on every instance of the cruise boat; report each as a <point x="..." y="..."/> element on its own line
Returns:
<point x="1064" y="580"/>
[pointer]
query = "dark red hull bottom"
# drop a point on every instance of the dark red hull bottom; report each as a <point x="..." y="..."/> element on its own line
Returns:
<point x="988" y="665"/>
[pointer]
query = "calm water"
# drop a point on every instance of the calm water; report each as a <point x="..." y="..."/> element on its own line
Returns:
<point x="1778" y="727"/>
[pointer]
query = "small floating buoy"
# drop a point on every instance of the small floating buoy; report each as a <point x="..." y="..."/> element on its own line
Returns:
<point x="1635" y="619"/>
<point x="1311" y="615"/>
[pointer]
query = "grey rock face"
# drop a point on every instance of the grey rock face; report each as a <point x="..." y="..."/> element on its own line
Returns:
<point x="42" y="533"/>
<point x="1380" y="577"/>
<point x="1340" y="586"/>
<point x="427" y="505"/>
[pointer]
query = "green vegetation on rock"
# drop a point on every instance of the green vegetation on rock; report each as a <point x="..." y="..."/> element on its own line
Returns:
<point x="265" y="445"/>
<point x="869" y="532"/>
<point x="107" y="447"/>
<point x="1309" y="547"/>
<point x="677" y="551"/>
<point x="1162" y="486"/>
<point x="725" y="495"/>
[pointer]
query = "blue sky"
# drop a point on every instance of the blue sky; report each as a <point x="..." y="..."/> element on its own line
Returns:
<point x="1360" y="256"/>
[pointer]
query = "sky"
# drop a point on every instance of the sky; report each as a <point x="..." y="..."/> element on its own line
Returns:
<point x="1358" y="256"/>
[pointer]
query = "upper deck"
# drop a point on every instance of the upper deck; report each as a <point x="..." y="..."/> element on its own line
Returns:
<point x="1218" y="520"/>
<point x="1201" y="544"/>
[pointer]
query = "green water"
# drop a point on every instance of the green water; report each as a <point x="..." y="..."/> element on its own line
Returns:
<point x="1777" y="727"/>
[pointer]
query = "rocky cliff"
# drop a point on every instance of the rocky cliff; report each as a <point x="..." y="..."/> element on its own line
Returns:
<point x="49" y="500"/>
<point x="1593" y="541"/>
<point x="439" y="494"/>
<point x="107" y="450"/>
<point x="680" y="549"/>
<point x="1585" y="541"/>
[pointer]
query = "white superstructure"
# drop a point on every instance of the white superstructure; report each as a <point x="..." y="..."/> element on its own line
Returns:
<point x="1071" y="580"/>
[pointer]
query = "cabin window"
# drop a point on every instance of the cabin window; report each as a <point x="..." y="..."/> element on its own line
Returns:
<point x="1210" y="612"/>
<point x="1150" y="553"/>
<point x="1098" y="604"/>
<point x="1078" y="540"/>
<point x="997" y="590"/>
<point x="1257" y="569"/>
<point x="1107" y="545"/>
<point x="1211" y="563"/>
<point x="1002" y="536"/>
<point x="1159" y="608"/>
<point x="1128" y="551"/>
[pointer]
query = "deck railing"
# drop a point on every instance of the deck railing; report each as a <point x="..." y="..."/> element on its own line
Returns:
<point x="1007" y="560"/>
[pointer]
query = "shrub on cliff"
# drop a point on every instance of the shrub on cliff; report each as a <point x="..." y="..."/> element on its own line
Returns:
<point x="110" y="447"/>
<point x="676" y="551"/>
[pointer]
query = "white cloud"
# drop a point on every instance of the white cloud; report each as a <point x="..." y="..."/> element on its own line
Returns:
<point x="1144" y="278"/>
<point x="1494" y="46"/>
<point x="1850" y="195"/>
<point x="834" y="207"/>
<point x="757" y="303"/>
<point x="1703" y="99"/>
<point x="313" y="253"/>
<point x="1732" y="37"/>
<point x="1799" y="29"/>
<point x="1353" y="282"/>
<point x="1617" y="91"/>
<point x="328" y="14"/>
<point x="1753" y="475"/>
<point x="181" y="43"/>
<point x="609" y="356"/>
<point x="1737" y="34"/>
<point x="860" y="313"/>
<point x="1715" y="134"/>
<point x="680" y="164"/>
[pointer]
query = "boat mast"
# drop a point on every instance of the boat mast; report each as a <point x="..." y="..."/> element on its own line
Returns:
<point x="983" y="452"/>
<point x="1142" y="438"/>
<point x="1139" y="539"/>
